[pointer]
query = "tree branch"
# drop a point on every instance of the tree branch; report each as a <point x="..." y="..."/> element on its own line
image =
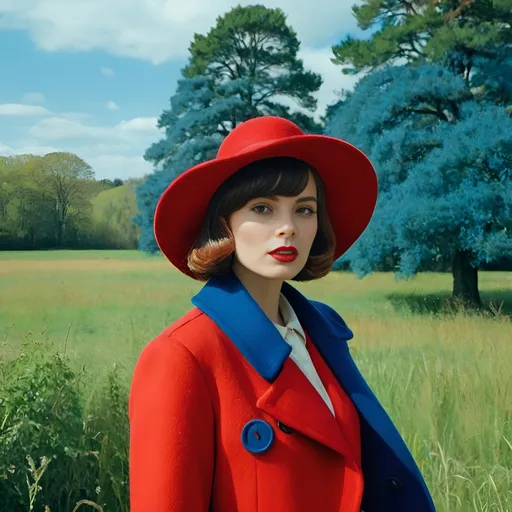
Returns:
<point x="264" y="97"/>
<point x="429" y="111"/>
<point x="408" y="7"/>
<point x="412" y="42"/>
<point x="390" y="15"/>
<point x="224" y="130"/>
<point x="224" y="65"/>
<point x="452" y="14"/>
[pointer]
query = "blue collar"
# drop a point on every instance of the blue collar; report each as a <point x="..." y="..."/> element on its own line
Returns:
<point x="228" y="303"/>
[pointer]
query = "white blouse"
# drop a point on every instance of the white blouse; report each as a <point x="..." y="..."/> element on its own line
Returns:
<point x="294" y="335"/>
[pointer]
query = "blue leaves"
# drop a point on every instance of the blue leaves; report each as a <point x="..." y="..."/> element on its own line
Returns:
<point x="493" y="76"/>
<point x="444" y="163"/>
<point x="387" y="98"/>
<point x="195" y="126"/>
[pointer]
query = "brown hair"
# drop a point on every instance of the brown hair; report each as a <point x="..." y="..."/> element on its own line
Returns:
<point x="213" y="249"/>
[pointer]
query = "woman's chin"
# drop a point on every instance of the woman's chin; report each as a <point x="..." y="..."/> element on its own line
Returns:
<point x="282" y="271"/>
<point x="275" y="269"/>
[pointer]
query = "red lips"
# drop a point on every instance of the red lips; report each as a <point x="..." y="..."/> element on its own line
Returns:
<point x="285" y="248"/>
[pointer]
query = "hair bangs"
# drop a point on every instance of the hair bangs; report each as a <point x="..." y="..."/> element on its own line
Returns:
<point x="281" y="176"/>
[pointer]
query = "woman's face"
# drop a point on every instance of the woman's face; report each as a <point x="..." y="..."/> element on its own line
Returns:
<point x="264" y="224"/>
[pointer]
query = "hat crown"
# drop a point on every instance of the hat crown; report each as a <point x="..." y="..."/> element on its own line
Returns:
<point x="254" y="132"/>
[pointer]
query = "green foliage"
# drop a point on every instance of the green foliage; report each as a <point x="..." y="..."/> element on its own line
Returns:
<point x="466" y="36"/>
<point x="457" y="35"/>
<point x="27" y="210"/>
<point x="70" y="183"/>
<point x="44" y="417"/>
<point x="111" y="183"/>
<point x="396" y="40"/>
<point x="54" y="201"/>
<point x="40" y="411"/>
<point x="113" y="211"/>
<point x="63" y="167"/>
<point x="255" y="44"/>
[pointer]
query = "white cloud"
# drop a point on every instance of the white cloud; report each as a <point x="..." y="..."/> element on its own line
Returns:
<point x="158" y="30"/>
<point x="33" y="97"/>
<point x="114" y="151"/>
<point x="107" y="71"/>
<point x="76" y="116"/>
<point x="67" y="130"/>
<point x="20" y="110"/>
<point x="111" y="105"/>
<point x="318" y="60"/>
<point x="32" y="149"/>
<point x="142" y="125"/>
<point x="61" y="129"/>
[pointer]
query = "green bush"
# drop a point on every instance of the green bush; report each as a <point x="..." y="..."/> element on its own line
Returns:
<point x="81" y="444"/>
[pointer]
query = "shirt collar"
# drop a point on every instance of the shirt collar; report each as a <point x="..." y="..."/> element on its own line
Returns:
<point x="290" y="319"/>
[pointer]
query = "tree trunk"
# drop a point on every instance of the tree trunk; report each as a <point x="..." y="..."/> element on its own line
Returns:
<point x="60" y="226"/>
<point x="465" y="279"/>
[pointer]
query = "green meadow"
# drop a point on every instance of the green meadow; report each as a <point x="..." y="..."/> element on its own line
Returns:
<point x="445" y="377"/>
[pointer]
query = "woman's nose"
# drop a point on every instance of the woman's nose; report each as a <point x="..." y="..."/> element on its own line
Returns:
<point x="287" y="228"/>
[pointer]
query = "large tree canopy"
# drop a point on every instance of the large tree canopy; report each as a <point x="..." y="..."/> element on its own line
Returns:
<point x="70" y="182"/>
<point x="437" y="130"/>
<point x="444" y="163"/>
<point x="470" y="37"/>
<point x="255" y="43"/>
<point x="53" y="201"/>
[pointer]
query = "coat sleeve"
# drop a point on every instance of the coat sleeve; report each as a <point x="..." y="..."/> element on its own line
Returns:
<point x="171" y="431"/>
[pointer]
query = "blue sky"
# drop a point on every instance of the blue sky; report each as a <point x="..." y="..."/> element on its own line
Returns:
<point x="93" y="77"/>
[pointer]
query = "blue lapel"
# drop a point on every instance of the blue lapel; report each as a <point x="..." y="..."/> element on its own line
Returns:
<point x="226" y="301"/>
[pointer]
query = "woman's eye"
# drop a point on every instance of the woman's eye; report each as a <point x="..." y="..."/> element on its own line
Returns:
<point x="258" y="208"/>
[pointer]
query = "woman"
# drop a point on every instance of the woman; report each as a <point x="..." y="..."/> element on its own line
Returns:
<point x="251" y="401"/>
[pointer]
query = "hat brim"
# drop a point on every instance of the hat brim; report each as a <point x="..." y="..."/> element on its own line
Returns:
<point x="348" y="175"/>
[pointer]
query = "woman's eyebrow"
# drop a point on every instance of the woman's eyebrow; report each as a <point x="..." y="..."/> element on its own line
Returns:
<point x="306" y="198"/>
<point x="300" y="200"/>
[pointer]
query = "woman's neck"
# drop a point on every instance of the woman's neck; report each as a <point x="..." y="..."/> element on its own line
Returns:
<point x="266" y="292"/>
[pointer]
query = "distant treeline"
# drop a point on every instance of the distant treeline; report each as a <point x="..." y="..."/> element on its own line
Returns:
<point x="55" y="202"/>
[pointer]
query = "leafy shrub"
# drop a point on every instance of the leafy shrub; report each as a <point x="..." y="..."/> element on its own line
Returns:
<point x="43" y="418"/>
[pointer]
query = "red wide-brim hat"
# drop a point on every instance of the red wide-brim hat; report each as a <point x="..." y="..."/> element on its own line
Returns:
<point x="348" y="175"/>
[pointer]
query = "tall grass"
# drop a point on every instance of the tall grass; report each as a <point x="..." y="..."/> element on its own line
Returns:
<point x="72" y="328"/>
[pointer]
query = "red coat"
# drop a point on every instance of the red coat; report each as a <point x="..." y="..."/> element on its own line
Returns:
<point x="196" y="391"/>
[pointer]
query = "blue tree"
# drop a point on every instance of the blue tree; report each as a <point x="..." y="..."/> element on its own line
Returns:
<point x="444" y="163"/>
<point x="193" y="130"/>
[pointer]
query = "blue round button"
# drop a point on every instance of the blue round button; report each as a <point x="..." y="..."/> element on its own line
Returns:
<point x="257" y="436"/>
